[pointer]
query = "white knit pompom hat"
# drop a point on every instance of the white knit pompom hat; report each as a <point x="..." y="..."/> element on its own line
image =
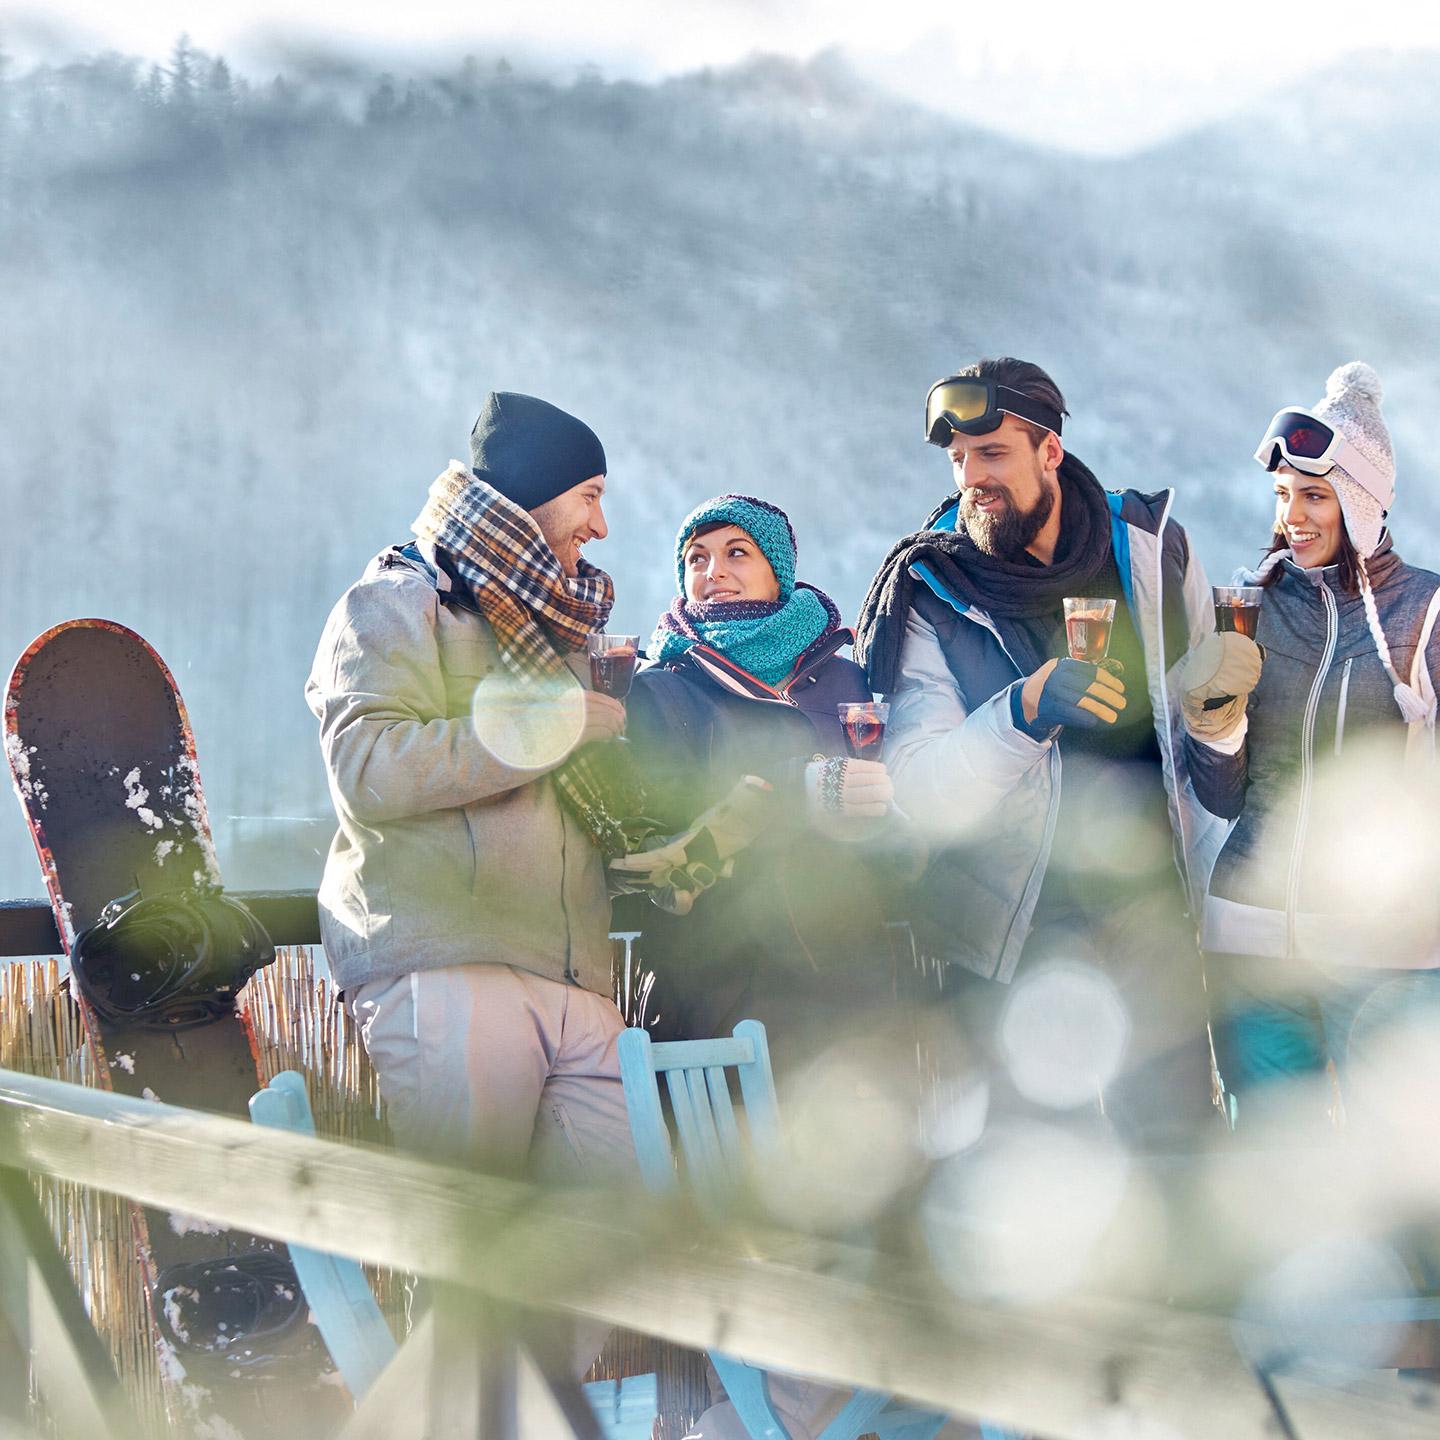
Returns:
<point x="1352" y="405"/>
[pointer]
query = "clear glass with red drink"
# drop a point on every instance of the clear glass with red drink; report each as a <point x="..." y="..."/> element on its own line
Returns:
<point x="864" y="722"/>
<point x="612" y="663"/>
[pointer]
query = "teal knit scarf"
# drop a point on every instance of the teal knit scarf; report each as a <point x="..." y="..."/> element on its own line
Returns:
<point x="766" y="637"/>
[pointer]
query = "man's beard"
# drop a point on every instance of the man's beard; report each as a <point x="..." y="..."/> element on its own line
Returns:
<point x="1006" y="533"/>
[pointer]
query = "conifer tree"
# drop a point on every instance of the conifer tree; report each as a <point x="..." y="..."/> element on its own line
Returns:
<point x="381" y="105"/>
<point x="220" y="88"/>
<point x="152" y="92"/>
<point x="182" y="73"/>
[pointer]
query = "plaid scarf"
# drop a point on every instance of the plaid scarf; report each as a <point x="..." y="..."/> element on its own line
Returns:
<point x="538" y="613"/>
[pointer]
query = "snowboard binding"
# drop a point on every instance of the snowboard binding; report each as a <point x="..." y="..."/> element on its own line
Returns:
<point x="240" y="1312"/>
<point x="169" y="962"/>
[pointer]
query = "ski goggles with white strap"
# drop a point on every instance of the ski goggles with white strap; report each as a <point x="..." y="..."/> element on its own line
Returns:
<point x="1308" y="444"/>
<point x="976" y="407"/>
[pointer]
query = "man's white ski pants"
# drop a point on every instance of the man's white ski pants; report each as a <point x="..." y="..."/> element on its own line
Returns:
<point x="490" y="1064"/>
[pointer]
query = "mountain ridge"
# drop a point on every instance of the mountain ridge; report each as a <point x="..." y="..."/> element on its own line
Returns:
<point x="242" y="328"/>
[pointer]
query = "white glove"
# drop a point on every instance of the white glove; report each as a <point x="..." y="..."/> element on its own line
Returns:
<point x="838" y="791"/>
<point x="1216" y="679"/>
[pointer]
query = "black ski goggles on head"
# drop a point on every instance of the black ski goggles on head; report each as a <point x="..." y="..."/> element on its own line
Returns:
<point x="974" y="406"/>
<point x="1307" y="444"/>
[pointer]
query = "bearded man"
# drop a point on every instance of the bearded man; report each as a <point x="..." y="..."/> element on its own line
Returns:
<point x="1085" y="887"/>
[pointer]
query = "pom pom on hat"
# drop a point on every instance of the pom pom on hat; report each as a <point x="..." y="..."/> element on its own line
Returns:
<point x="1355" y="375"/>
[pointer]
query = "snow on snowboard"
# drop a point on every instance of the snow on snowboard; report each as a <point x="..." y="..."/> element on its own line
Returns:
<point x="103" y="761"/>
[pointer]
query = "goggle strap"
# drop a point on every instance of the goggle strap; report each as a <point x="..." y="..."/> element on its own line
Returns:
<point x="1022" y="407"/>
<point x="1355" y="465"/>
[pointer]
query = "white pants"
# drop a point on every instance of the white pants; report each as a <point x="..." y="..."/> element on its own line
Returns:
<point x="490" y="1064"/>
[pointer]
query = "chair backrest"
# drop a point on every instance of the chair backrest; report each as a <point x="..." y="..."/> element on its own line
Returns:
<point x="352" y="1325"/>
<point x="710" y="1138"/>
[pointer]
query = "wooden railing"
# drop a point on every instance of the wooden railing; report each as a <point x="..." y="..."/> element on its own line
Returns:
<point x="784" y="1299"/>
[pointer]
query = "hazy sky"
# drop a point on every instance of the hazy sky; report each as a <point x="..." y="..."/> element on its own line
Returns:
<point x="1096" y="76"/>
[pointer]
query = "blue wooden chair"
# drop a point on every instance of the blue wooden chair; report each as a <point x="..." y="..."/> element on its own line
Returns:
<point x="351" y="1323"/>
<point x="715" y="1159"/>
<point x="339" y="1295"/>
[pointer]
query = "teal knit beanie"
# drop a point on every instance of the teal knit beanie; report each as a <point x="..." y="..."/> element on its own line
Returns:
<point x="766" y="524"/>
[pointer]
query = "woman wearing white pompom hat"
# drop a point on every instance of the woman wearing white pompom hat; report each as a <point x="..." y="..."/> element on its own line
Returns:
<point x="1322" y="922"/>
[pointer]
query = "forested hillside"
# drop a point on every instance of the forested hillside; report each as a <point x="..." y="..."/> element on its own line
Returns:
<point x="243" y="325"/>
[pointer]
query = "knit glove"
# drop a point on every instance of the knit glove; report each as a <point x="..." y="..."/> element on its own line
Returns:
<point x="675" y="870"/>
<point x="839" y="792"/>
<point x="1216" y="679"/>
<point x="1077" y="693"/>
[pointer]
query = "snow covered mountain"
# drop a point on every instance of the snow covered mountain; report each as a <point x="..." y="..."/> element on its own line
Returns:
<point x="241" y="328"/>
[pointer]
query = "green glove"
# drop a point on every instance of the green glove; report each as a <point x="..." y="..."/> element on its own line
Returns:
<point x="1216" y="679"/>
<point x="674" y="870"/>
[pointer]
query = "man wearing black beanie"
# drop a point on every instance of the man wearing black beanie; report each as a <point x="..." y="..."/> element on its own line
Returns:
<point x="464" y="906"/>
<point x="530" y="450"/>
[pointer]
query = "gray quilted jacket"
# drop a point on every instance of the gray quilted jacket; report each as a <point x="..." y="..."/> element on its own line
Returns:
<point x="1325" y="736"/>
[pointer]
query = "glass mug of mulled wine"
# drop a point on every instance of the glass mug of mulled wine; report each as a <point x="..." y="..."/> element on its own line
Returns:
<point x="612" y="663"/>
<point x="1237" y="607"/>
<point x="1088" y="622"/>
<point x="864" y="722"/>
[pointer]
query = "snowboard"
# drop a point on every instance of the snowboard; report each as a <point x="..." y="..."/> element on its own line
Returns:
<point x="103" y="761"/>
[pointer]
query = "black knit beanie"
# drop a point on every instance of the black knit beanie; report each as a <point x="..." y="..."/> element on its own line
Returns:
<point x="532" y="451"/>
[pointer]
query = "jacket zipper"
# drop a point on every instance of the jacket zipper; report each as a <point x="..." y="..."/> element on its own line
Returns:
<point x="1170" y="784"/>
<point x="1307" y="765"/>
<point x="837" y="643"/>
<point x="1344" y="700"/>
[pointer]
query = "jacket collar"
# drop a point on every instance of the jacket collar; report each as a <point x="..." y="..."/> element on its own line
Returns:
<point x="1380" y="566"/>
<point x="422" y="556"/>
<point x="720" y="670"/>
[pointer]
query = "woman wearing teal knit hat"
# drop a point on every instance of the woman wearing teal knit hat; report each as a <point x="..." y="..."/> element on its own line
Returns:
<point x="747" y="679"/>
<point x="735" y="570"/>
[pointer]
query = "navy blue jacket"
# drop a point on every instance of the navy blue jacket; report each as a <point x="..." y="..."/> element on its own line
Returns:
<point x="985" y="791"/>
<point x="796" y="937"/>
